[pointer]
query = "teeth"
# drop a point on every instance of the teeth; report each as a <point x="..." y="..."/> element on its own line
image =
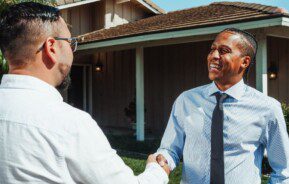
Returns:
<point x="215" y="66"/>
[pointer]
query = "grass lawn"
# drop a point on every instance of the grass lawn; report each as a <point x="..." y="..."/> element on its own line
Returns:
<point x="134" y="154"/>
<point x="138" y="166"/>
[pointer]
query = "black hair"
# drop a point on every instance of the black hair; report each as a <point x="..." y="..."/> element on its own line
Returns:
<point x="249" y="46"/>
<point x="22" y="24"/>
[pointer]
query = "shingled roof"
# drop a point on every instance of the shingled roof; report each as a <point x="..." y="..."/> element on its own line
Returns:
<point x="213" y="14"/>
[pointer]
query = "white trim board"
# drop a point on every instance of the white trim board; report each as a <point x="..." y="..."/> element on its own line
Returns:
<point x="285" y="21"/>
<point x="148" y="6"/>
<point x="183" y="33"/>
<point x="122" y="1"/>
<point x="65" y="6"/>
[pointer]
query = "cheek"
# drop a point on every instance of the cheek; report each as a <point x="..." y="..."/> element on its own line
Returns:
<point x="67" y="56"/>
<point x="208" y="58"/>
<point x="64" y="69"/>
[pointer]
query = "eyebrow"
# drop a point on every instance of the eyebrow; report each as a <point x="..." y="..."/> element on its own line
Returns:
<point x="226" y="47"/>
<point x="214" y="45"/>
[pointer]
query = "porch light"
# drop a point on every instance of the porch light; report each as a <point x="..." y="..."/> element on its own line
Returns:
<point x="272" y="72"/>
<point x="99" y="67"/>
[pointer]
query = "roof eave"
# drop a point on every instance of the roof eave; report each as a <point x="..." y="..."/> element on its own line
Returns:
<point x="269" y="22"/>
<point x="65" y="6"/>
<point x="285" y="21"/>
<point x="150" y="8"/>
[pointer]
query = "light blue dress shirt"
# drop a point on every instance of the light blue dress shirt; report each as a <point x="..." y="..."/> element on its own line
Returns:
<point x="253" y="122"/>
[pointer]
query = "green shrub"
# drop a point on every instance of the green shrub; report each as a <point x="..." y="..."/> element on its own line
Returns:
<point x="3" y="66"/>
<point x="285" y="109"/>
<point x="5" y="3"/>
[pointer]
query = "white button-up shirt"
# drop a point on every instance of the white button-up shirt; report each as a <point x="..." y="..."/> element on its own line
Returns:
<point x="44" y="140"/>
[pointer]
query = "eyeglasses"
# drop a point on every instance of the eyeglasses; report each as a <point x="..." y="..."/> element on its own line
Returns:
<point x="72" y="41"/>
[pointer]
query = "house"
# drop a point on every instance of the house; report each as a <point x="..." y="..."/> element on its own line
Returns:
<point x="149" y="62"/>
<point x="85" y="16"/>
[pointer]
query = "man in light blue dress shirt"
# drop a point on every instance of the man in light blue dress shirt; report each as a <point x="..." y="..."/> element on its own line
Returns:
<point x="252" y="121"/>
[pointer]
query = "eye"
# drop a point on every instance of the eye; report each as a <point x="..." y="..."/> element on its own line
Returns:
<point x="224" y="51"/>
<point x="212" y="49"/>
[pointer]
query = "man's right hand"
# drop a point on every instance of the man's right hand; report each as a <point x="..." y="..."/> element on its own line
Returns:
<point x="160" y="159"/>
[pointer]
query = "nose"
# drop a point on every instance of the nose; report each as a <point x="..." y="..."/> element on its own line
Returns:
<point x="215" y="55"/>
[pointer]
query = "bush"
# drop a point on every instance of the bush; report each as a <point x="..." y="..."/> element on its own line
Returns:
<point x="5" y="3"/>
<point x="3" y="66"/>
<point x="285" y="109"/>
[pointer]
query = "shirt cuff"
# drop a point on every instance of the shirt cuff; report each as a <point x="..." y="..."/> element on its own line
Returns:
<point x="171" y="162"/>
<point x="160" y="174"/>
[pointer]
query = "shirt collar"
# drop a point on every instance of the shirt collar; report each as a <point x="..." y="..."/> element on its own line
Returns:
<point x="29" y="82"/>
<point x="236" y="91"/>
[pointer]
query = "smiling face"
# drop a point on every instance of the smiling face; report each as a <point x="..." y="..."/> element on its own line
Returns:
<point x="226" y="62"/>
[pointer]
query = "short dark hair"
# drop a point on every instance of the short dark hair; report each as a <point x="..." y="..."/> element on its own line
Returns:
<point x="249" y="45"/>
<point x="23" y="24"/>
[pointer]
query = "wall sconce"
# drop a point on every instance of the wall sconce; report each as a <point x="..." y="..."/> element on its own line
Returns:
<point x="99" y="67"/>
<point x="272" y="72"/>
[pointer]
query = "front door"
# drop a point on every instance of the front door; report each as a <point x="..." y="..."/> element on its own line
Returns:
<point x="78" y="94"/>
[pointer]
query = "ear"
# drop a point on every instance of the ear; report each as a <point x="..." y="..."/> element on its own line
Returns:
<point x="50" y="51"/>
<point x="246" y="62"/>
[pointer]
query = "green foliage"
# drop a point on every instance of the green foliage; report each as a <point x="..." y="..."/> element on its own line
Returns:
<point x="128" y="143"/>
<point x="138" y="166"/>
<point x="285" y="109"/>
<point x="5" y="3"/>
<point x="3" y="65"/>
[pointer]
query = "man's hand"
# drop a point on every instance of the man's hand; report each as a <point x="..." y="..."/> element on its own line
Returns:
<point x="160" y="159"/>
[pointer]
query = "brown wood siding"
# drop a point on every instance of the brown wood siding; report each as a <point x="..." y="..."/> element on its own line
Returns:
<point x="98" y="16"/>
<point x="170" y="70"/>
<point x="114" y="89"/>
<point x="117" y="14"/>
<point x="278" y="55"/>
<point x="85" y="18"/>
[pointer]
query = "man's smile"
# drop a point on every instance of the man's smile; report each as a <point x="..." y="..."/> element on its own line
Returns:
<point x="215" y="67"/>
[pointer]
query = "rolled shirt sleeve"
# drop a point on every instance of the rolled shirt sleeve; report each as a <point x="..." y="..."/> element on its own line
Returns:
<point x="277" y="145"/>
<point x="90" y="159"/>
<point x="173" y="140"/>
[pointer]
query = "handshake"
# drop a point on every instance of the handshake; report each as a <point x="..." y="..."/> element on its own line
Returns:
<point x="161" y="160"/>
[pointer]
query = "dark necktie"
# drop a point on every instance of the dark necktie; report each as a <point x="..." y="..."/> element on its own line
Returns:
<point x="217" y="142"/>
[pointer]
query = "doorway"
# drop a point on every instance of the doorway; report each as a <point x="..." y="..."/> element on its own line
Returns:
<point x="79" y="94"/>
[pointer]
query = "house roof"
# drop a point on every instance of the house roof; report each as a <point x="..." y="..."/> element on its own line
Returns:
<point x="68" y="3"/>
<point x="213" y="14"/>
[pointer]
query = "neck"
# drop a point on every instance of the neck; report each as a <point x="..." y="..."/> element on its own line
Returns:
<point x="223" y="86"/>
<point x="39" y="75"/>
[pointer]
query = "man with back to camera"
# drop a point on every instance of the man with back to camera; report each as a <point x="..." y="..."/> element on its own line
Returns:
<point x="43" y="139"/>
<point x="221" y="129"/>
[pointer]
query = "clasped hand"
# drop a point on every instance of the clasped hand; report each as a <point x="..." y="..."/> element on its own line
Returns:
<point x="160" y="159"/>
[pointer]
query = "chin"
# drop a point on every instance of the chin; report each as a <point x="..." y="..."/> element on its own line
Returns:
<point x="212" y="77"/>
<point x="65" y="73"/>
